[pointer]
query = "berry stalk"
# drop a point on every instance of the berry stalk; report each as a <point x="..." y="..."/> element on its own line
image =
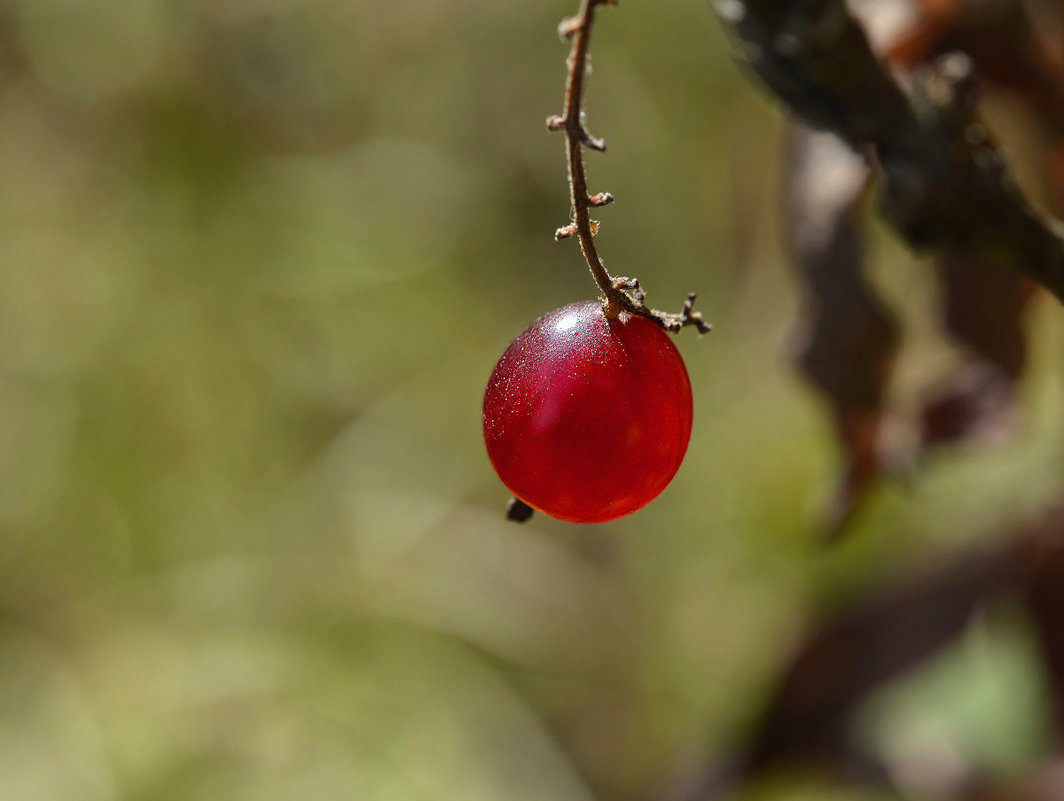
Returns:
<point x="621" y="294"/>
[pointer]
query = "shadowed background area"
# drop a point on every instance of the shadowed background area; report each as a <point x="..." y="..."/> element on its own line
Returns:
<point x="257" y="260"/>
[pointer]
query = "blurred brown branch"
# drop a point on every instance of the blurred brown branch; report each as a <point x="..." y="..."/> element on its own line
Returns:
<point x="944" y="182"/>
<point x="944" y="185"/>
<point x="809" y="717"/>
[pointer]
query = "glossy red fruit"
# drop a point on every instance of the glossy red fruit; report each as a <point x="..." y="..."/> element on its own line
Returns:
<point x="585" y="418"/>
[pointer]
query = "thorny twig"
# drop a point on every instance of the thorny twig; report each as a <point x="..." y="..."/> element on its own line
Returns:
<point x="617" y="299"/>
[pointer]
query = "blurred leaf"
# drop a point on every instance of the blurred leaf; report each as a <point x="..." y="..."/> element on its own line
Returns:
<point x="846" y="338"/>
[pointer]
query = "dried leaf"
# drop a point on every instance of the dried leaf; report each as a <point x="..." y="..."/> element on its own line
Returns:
<point x="846" y="339"/>
<point x="982" y="310"/>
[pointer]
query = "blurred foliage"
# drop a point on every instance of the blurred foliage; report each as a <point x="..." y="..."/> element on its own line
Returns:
<point x="258" y="258"/>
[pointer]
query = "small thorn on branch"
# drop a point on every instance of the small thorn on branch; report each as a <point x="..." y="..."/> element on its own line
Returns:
<point x="638" y="295"/>
<point x="565" y="232"/>
<point x="592" y="142"/>
<point x="569" y="26"/>
<point x="601" y="199"/>
<point x="555" y="122"/>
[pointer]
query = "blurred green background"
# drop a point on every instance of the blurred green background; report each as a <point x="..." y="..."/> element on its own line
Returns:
<point x="257" y="259"/>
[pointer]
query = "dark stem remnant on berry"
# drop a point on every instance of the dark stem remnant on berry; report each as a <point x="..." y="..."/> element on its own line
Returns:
<point x="621" y="294"/>
<point x="518" y="511"/>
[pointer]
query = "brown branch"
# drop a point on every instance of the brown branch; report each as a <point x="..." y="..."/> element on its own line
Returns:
<point x="810" y="717"/>
<point x="617" y="299"/>
<point x="945" y="185"/>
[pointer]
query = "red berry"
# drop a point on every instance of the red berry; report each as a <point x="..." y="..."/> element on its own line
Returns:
<point x="588" y="418"/>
